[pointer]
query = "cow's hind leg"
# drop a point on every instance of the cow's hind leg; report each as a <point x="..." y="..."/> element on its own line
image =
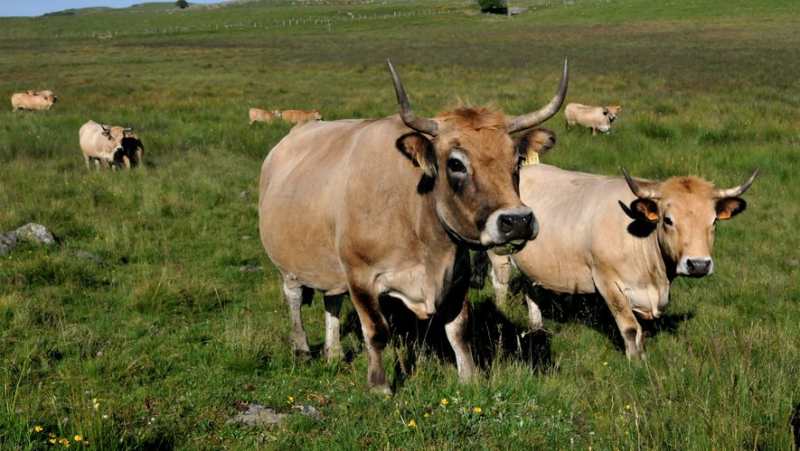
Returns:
<point x="534" y="314"/>
<point x="630" y="328"/>
<point x="297" y="295"/>
<point x="333" y="346"/>
<point x="376" y="335"/>
<point x="501" y="276"/>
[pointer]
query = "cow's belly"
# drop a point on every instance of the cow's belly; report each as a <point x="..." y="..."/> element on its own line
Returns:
<point x="300" y="244"/>
<point x="555" y="271"/>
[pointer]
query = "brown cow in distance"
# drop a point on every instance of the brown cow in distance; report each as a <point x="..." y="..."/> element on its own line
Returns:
<point x="391" y="207"/>
<point x="259" y="115"/>
<point x="102" y="143"/>
<point x="33" y="100"/>
<point x="300" y="116"/>
<point x="625" y="240"/>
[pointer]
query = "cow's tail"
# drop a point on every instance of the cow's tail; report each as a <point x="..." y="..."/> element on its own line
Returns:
<point x="480" y="268"/>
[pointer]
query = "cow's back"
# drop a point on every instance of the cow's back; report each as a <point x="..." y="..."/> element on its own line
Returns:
<point x="581" y="224"/>
<point x="315" y="184"/>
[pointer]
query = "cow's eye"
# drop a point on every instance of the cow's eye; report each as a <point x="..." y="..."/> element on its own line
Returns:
<point x="456" y="166"/>
<point x="668" y="221"/>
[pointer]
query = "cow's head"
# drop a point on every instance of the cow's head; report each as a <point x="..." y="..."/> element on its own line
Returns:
<point x="316" y="116"/>
<point x="115" y="135"/>
<point x="685" y="211"/>
<point x="612" y="111"/>
<point x="471" y="166"/>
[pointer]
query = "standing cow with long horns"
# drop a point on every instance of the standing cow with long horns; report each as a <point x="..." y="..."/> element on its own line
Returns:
<point x="390" y="207"/>
<point x="623" y="239"/>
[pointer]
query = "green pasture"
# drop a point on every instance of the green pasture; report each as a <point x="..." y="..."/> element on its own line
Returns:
<point x="184" y="323"/>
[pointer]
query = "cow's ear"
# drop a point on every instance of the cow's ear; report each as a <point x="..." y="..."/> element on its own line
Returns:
<point x="420" y="150"/>
<point x="647" y="209"/>
<point x="729" y="207"/>
<point x="534" y="143"/>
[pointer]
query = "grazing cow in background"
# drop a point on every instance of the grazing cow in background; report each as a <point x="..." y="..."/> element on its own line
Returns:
<point x="625" y="240"/>
<point x="259" y="115"/>
<point x="593" y="117"/>
<point x="391" y="207"/>
<point x="102" y="143"/>
<point x="132" y="150"/>
<point x="33" y="100"/>
<point x="299" y="116"/>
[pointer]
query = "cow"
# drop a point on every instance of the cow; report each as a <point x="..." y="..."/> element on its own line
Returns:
<point x="102" y="143"/>
<point x="390" y="207"/>
<point x="33" y="100"/>
<point x="259" y="115"/>
<point x="593" y="117"/>
<point x="132" y="150"/>
<point x="623" y="239"/>
<point x="300" y="116"/>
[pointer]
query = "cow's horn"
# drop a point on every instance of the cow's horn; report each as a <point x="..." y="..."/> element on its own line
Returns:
<point x="410" y="118"/>
<point x="529" y="120"/>
<point x="739" y="190"/>
<point x="638" y="191"/>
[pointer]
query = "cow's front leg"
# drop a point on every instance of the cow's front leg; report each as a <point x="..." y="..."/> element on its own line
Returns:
<point x="458" y="335"/>
<point x="333" y="346"/>
<point x="376" y="335"/>
<point x="626" y="321"/>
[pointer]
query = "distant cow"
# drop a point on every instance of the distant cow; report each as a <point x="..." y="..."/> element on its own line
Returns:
<point x="33" y="100"/>
<point x="298" y="116"/>
<point x="132" y="150"/>
<point x="623" y="239"/>
<point x="593" y="117"/>
<point x="391" y="207"/>
<point x="103" y="144"/>
<point x="259" y="115"/>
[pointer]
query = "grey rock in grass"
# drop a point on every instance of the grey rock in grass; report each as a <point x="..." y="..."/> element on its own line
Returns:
<point x="35" y="233"/>
<point x="256" y="414"/>
<point x="7" y="242"/>
<point x="83" y="255"/>
<point x="260" y="415"/>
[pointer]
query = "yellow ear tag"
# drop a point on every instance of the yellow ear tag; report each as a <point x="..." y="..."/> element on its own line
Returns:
<point x="652" y="216"/>
<point x="530" y="160"/>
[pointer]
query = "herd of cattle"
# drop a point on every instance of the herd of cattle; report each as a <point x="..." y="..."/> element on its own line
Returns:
<point x="392" y="207"/>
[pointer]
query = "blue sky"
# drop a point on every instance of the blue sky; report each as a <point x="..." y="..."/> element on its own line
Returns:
<point x="31" y="8"/>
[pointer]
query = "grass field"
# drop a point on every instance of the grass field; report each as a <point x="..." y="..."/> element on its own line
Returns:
<point x="185" y="323"/>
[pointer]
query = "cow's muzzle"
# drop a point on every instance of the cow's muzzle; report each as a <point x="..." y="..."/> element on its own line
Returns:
<point x="512" y="226"/>
<point x="696" y="266"/>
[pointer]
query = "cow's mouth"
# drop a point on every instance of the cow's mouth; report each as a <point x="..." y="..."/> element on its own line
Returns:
<point x="511" y="247"/>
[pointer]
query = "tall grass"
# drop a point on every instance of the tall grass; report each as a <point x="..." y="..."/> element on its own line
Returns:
<point x="185" y="322"/>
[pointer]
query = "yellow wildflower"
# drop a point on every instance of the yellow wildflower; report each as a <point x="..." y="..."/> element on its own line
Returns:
<point x="605" y="363"/>
<point x="38" y="428"/>
<point x="627" y="407"/>
<point x="477" y="409"/>
<point x="412" y="424"/>
<point x="78" y="438"/>
<point x="52" y="440"/>
<point x="426" y="415"/>
<point x="444" y="401"/>
<point x="290" y="400"/>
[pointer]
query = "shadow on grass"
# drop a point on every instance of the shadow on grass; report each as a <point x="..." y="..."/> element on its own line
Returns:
<point x="592" y="311"/>
<point x="493" y="335"/>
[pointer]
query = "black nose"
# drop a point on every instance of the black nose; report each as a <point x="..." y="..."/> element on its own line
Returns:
<point x="516" y="226"/>
<point x="698" y="267"/>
